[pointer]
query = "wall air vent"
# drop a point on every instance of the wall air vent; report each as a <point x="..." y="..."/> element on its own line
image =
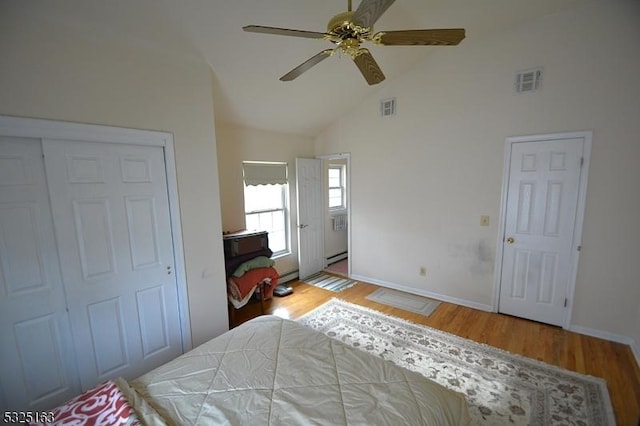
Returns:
<point x="529" y="80"/>
<point x="388" y="107"/>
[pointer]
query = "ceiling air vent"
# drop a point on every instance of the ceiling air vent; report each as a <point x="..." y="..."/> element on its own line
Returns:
<point x="388" y="107"/>
<point x="529" y="80"/>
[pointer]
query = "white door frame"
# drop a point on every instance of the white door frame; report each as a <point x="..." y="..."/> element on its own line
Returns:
<point x="343" y="156"/>
<point x="49" y="129"/>
<point x="577" y="232"/>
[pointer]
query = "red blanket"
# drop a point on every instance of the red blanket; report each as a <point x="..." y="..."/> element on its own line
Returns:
<point x="103" y="405"/>
<point x="254" y="277"/>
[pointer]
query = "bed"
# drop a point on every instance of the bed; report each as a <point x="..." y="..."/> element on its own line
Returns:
<point x="272" y="371"/>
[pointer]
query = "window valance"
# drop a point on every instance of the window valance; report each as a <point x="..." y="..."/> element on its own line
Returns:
<point x="264" y="173"/>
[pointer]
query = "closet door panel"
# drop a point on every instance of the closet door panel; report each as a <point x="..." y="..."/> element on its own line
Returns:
<point x="111" y="211"/>
<point x="37" y="365"/>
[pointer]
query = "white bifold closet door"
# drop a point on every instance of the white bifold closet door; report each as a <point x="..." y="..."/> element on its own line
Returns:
<point x="111" y="215"/>
<point x="87" y="284"/>
<point x="37" y="359"/>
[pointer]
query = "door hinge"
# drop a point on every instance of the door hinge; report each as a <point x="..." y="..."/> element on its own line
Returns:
<point x="581" y="161"/>
<point x="579" y="248"/>
<point x="565" y="302"/>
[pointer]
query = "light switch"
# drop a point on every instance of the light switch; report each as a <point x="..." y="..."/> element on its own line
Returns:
<point x="484" y="220"/>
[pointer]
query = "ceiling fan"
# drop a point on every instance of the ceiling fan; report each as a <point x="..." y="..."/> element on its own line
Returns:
<point x="348" y="30"/>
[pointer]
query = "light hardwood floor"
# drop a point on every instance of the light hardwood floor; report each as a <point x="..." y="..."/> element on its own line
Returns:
<point x="611" y="361"/>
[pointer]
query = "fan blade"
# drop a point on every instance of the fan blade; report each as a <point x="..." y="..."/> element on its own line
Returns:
<point x="306" y="65"/>
<point x="283" y="31"/>
<point x="444" y="37"/>
<point x="370" y="11"/>
<point x="368" y="67"/>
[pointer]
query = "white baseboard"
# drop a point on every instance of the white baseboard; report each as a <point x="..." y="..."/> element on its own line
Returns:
<point x="289" y="276"/>
<point x="635" y="347"/>
<point x="600" y="334"/>
<point x="337" y="257"/>
<point x="419" y="292"/>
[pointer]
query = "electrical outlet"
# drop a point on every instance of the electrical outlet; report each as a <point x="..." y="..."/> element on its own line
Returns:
<point x="423" y="271"/>
<point x="484" y="220"/>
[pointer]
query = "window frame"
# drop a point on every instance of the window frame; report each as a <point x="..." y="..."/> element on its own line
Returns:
<point x="343" y="190"/>
<point x="284" y="190"/>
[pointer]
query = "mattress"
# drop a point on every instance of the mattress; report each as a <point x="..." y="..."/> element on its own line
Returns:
<point x="272" y="371"/>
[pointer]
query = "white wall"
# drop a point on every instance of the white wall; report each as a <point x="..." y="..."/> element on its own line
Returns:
<point x="237" y="144"/>
<point x="421" y="180"/>
<point x="55" y="71"/>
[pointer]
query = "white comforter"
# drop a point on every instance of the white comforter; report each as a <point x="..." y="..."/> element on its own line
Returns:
<point x="272" y="371"/>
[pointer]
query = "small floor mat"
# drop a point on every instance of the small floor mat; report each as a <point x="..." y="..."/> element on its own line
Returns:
<point x="329" y="282"/>
<point x="401" y="300"/>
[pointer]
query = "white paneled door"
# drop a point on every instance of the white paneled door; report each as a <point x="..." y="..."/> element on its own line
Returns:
<point x="311" y="258"/>
<point x="37" y="364"/>
<point x="539" y="247"/>
<point x="112" y="223"/>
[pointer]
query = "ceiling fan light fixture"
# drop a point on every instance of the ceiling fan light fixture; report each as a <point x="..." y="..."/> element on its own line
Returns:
<point x="348" y="30"/>
<point x="339" y="21"/>
<point x="341" y="27"/>
<point x="351" y="47"/>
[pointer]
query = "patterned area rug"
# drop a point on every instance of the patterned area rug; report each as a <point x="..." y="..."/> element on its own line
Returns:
<point x="501" y="388"/>
<point x="329" y="282"/>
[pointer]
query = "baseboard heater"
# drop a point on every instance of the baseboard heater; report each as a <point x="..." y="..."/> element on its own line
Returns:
<point x="337" y="257"/>
<point x="339" y="222"/>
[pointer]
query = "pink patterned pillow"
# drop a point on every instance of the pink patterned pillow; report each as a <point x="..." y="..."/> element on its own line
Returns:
<point x="102" y="405"/>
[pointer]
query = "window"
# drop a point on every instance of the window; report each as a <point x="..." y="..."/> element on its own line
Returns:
<point x="266" y="204"/>
<point x="337" y="196"/>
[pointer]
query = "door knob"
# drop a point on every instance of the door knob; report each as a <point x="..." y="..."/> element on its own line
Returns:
<point x="302" y="226"/>
<point x="510" y="240"/>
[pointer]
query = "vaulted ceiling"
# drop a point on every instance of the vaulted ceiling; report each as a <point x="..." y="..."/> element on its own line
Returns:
<point x="247" y="66"/>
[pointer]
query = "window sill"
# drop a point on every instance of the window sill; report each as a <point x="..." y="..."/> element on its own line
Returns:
<point x="281" y="255"/>
<point x="337" y="212"/>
